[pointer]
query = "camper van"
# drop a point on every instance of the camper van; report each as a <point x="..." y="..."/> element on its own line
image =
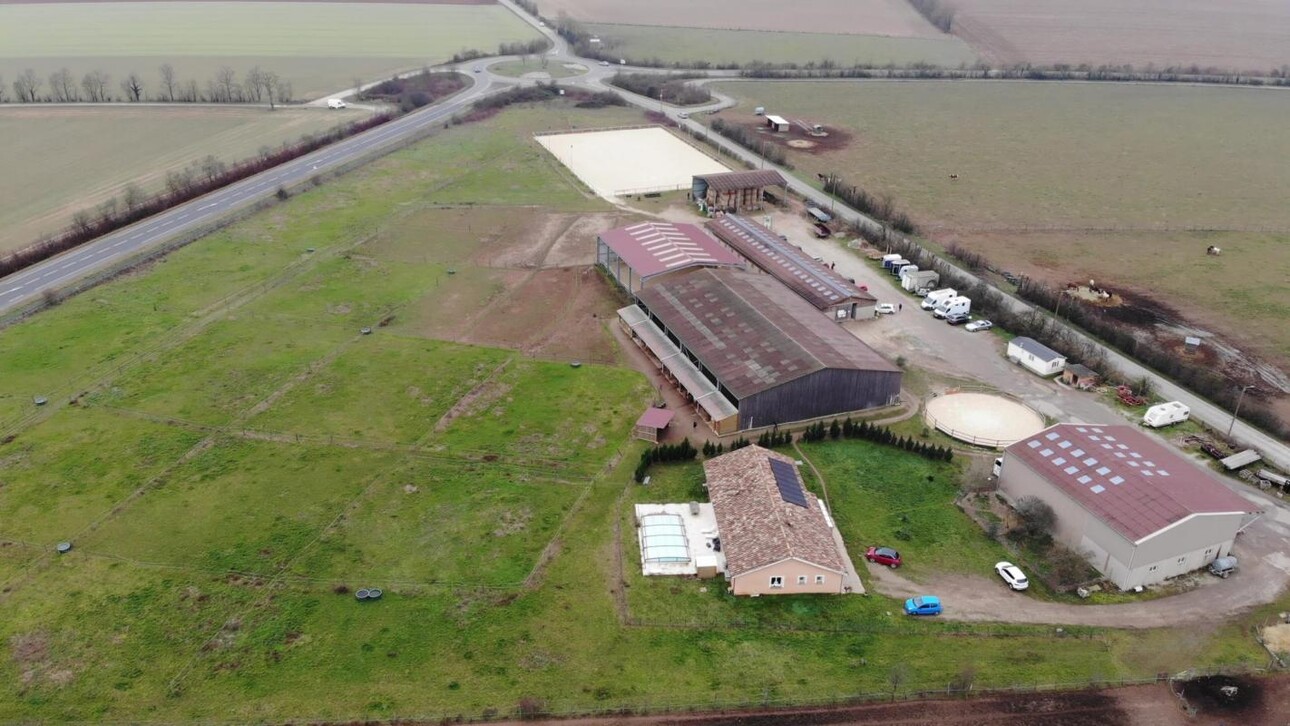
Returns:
<point x="335" y="103"/>
<point x="935" y="297"/>
<point x="1165" y="414"/>
<point x="953" y="307"/>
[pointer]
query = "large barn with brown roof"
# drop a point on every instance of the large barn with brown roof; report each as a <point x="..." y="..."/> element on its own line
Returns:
<point x="750" y="353"/>
<point x="832" y="294"/>
<point x="1140" y="512"/>
<point x="776" y="535"/>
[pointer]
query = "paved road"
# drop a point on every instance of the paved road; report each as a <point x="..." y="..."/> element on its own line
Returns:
<point x="25" y="287"/>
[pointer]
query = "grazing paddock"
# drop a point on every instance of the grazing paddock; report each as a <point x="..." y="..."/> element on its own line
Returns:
<point x="64" y="164"/>
<point x="198" y="37"/>
<point x="686" y="45"/>
<point x="860" y="17"/>
<point x="1238" y="35"/>
<point x="630" y="161"/>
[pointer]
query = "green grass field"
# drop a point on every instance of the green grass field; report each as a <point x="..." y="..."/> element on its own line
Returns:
<point x="1125" y="184"/>
<point x="362" y="40"/>
<point x="239" y="459"/>
<point x="685" y="45"/>
<point x="519" y="68"/>
<point x="64" y="163"/>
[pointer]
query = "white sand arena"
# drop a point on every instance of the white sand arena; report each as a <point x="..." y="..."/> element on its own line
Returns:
<point x="982" y="418"/>
<point x="630" y="161"/>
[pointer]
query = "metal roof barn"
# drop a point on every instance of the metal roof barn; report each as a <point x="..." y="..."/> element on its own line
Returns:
<point x="765" y="349"/>
<point x="637" y="253"/>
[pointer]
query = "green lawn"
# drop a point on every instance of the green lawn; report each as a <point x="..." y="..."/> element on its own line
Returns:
<point x="722" y="47"/>
<point x="520" y="68"/>
<point x="224" y="590"/>
<point x="296" y="40"/>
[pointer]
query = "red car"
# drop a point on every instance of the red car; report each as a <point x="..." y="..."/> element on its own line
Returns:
<point x="883" y="556"/>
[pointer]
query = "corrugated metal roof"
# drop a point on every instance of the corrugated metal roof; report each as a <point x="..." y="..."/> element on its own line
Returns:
<point x="1124" y="477"/>
<point x="757" y="527"/>
<point x="1037" y="349"/>
<point x="814" y="281"/>
<point x="751" y="331"/>
<point x="650" y="248"/>
<point x="704" y="392"/>
<point x="733" y="180"/>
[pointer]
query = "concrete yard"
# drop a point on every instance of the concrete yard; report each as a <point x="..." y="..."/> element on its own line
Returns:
<point x="619" y="162"/>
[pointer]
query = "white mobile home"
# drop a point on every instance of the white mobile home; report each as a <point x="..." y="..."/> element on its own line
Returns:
<point x="1036" y="356"/>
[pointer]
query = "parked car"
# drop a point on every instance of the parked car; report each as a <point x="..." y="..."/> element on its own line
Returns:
<point x="1223" y="566"/>
<point x="885" y="309"/>
<point x="977" y="326"/>
<point x="479" y="69"/>
<point x="604" y="63"/>
<point x="883" y="556"/>
<point x="924" y="605"/>
<point x="1012" y="575"/>
<point x="958" y="319"/>
<point x="683" y="114"/>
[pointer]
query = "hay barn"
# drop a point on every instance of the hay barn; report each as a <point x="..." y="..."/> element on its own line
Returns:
<point x="1140" y="512"/>
<point x="750" y="353"/>
<point x="830" y="293"/>
<point x="735" y="191"/>
<point x="639" y="253"/>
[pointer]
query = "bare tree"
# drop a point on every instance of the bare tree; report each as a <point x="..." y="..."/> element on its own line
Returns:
<point x="62" y="86"/>
<point x="133" y="87"/>
<point x="95" y="86"/>
<point x="1036" y="517"/>
<point x="168" y="82"/>
<point x="212" y="168"/>
<point x="897" y="677"/>
<point x="26" y="86"/>
<point x="226" y="85"/>
<point x="271" y="84"/>
<point x="284" y="90"/>
<point x="2" y="96"/>
<point x="253" y="85"/>
<point x="133" y="196"/>
<point x="190" y="92"/>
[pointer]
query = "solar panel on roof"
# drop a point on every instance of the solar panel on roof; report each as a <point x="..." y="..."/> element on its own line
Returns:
<point x="790" y="487"/>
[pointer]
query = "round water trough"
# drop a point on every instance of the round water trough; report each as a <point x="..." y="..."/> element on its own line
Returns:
<point x="362" y="594"/>
<point x="576" y="364"/>
<point x="40" y="400"/>
<point x="64" y="547"/>
<point x="374" y="593"/>
<point x="366" y="331"/>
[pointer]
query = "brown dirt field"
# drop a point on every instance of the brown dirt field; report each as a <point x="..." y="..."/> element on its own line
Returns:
<point x="577" y="246"/>
<point x="796" y="137"/>
<point x="1244" y="35"/>
<point x="860" y="17"/>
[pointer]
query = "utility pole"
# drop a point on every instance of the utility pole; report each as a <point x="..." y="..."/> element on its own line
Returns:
<point x="1237" y="412"/>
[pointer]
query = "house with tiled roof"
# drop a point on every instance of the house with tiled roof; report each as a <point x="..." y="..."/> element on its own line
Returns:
<point x="1139" y="511"/>
<point x="776" y="536"/>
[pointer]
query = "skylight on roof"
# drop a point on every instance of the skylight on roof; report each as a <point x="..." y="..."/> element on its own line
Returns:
<point x="1149" y="463"/>
<point x="1077" y="452"/>
<point x="1095" y="438"/>
<point x="1146" y="472"/>
<point x="1059" y="461"/>
<point x="1117" y="479"/>
<point x="1064" y="444"/>
<point x="1084" y="479"/>
<point x="1162" y="472"/>
<point x="1097" y="431"/>
<point x="1052" y="436"/>
<point x="1122" y="447"/>
<point x="1106" y="446"/>
<point x="1033" y="444"/>
<point x="1133" y="464"/>
<point x="1135" y="455"/>
<point x="1119" y="454"/>
<point x="1090" y="461"/>
<point x="1081" y="429"/>
<point x="1097" y="489"/>
<point x="1108" y="438"/>
<point x="1071" y="469"/>
<point x="1046" y="452"/>
<point x="1103" y="470"/>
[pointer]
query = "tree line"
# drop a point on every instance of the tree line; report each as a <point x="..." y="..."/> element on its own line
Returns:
<point x="257" y="85"/>
<point x="182" y="185"/>
<point x="767" y="149"/>
<point x="673" y="89"/>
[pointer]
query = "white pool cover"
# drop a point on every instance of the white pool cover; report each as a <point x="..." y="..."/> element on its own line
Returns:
<point x="663" y="539"/>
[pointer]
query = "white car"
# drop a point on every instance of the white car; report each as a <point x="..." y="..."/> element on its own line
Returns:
<point x="604" y="63"/>
<point x="885" y="309"/>
<point x="683" y="114"/>
<point x="1012" y="575"/>
<point x="978" y="325"/>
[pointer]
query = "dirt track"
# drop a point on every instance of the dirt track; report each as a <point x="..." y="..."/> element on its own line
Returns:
<point x="1149" y="705"/>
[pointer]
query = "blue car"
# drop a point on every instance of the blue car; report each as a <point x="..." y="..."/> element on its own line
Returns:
<point x="925" y="605"/>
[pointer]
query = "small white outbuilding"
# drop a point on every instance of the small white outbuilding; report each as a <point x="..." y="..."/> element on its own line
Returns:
<point x="1036" y="356"/>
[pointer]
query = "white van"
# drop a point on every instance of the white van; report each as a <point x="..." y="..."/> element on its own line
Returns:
<point x="936" y="297"/>
<point x="954" y="306"/>
<point x="335" y="103"/>
<point x="1164" y="414"/>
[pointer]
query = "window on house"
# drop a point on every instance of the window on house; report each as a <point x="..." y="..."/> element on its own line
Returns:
<point x="819" y="579"/>
<point x="801" y="579"/>
<point x="777" y="581"/>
